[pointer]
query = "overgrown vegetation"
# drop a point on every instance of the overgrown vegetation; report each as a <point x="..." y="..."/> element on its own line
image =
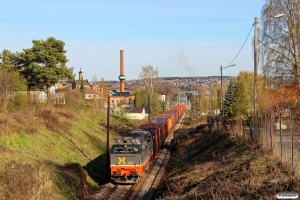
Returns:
<point x="54" y="153"/>
<point x="207" y="165"/>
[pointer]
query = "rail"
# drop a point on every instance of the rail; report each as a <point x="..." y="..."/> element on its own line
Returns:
<point x="119" y="192"/>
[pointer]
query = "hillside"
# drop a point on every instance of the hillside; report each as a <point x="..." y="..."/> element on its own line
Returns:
<point x="57" y="153"/>
<point x="54" y="153"/>
<point x="207" y="165"/>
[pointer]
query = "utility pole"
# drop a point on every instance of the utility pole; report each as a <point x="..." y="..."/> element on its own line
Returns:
<point x="255" y="73"/>
<point x="210" y="97"/>
<point x="255" y="131"/>
<point x="222" y="107"/>
<point x="107" y="141"/>
<point x="149" y="109"/>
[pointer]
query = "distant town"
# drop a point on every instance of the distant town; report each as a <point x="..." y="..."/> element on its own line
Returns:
<point x="183" y="83"/>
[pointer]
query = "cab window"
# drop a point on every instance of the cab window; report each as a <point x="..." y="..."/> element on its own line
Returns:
<point x="122" y="149"/>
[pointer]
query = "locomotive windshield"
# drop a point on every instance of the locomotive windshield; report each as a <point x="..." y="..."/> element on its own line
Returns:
<point x="125" y="149"/>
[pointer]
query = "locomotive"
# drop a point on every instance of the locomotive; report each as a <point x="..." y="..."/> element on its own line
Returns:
<point x="131" y="156"/>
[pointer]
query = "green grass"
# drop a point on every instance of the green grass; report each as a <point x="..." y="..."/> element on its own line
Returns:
<point x="67" y="138"/>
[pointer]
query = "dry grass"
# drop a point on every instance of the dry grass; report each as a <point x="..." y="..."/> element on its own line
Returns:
<point x="49" y="152"/>
<point x="33" y="120"/>
<point x="217" y="166"/>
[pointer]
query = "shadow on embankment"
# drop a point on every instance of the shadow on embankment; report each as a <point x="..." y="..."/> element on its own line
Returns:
<point x="96" y="169"/>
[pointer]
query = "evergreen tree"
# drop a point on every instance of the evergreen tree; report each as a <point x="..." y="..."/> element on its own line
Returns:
<point x="229" y="100"/>
<point x="138" y="99"/>
<point x="82" y="89"/>
<point x="8" y="60"/>
<point x="44" y="63"/>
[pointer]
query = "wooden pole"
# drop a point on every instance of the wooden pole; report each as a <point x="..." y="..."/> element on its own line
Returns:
<point x="107" y="141"/>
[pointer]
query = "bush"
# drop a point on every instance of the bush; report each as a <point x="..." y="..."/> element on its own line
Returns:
<point x="18" y="101"/>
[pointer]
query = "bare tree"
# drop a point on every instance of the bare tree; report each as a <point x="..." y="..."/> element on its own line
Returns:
<point x="166" y="88"/>
<point x="104" y="88"/>
<point x="94" y="79"/>
<point x="149" y="76"/>
<point x="279" y="41"/>
<point x="149" y="80"/>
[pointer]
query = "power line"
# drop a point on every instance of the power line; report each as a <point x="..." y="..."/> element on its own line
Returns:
<point x="242" y="46"/>
<point x="248" y="36"/>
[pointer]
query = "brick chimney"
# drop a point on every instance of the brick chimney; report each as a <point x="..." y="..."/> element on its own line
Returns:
<point x="122" y="77"/>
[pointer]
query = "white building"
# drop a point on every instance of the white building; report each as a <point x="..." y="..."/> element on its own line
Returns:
<point x="135" y="113"/>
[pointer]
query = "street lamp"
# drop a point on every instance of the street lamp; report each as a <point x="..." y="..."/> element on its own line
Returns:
<point x="222" y="103"/>
<point x="255" y="65"/>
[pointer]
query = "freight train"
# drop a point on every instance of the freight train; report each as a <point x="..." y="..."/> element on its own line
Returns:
<point x="131" y="156"/>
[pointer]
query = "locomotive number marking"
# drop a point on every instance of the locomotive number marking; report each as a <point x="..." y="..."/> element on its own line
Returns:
<point x="121" y="160"/>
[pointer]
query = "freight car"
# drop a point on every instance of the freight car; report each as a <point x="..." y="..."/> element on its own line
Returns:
<point x="131" y="156"/>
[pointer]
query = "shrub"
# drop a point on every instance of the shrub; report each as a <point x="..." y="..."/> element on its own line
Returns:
<point x="18" y="101"/>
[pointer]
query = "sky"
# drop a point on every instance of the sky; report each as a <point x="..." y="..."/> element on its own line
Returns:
<point x="178" y="37"/>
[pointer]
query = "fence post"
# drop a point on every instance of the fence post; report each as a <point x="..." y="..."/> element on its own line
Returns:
<point x="271" y="132"/>
<point x="251" y="127"/>
<point x="292" y="127"/>
<point x="292" y="139"/>
<point x="280" y="133"/>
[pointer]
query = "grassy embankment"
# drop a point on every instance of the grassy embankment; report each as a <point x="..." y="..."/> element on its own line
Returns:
<point x="208" y="165"/>
<point x="54" y="153"/>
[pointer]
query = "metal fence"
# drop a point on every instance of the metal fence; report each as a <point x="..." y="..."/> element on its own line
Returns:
<point x="275" y="132"/>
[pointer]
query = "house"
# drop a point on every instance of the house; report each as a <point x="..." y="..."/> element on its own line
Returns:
<point x="95" y="90"/>
<point x="90" y="94"/>
<point x="78" y="83"/>
<point x="135" y="113"/>
<point x="99" y="90"/>
<point x="62" y="84"/>
<point x="117" y="98"/>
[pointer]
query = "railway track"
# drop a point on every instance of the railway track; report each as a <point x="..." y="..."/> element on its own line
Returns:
<point x="146" y="186"/>
<point x="119" y="192"/>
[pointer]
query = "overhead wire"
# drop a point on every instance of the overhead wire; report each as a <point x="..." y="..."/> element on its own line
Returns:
<point x="247" y="38"/>
<point x="242" y="46"/>
<point x="265" y="11"/>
